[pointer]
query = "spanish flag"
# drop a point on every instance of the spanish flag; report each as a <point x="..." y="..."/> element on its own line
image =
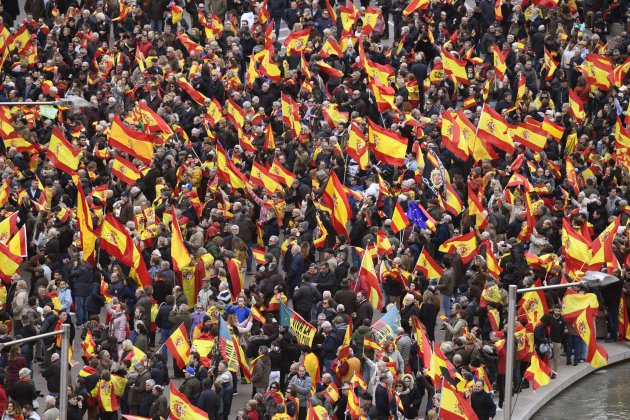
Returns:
<point x="554" y="130"/>
<point x="9" y="263"/>
<point x="261" y="177"/>
<point x="619" y="73"/>
<point x="354" y="409"/>
<point x="622" y="319"/>
<point x="320" y="241"/>
<point x="494" y="129"/>
<point x="357" y="381"/>
<point x="88" y="345"/>
<point x="178" y="346"/>
<point x="399" y="219"/>
<point x="330" y="47"/>
<point x="598" y="69"/>
<point x="465" y="245"/>
<point x="18" y="243"/>
<point x="451" y="202"/>
<point x="297" y="41"/>
<point x="370" y="19"/>
<point x="550" y="64"/>
<point x="573" y="304"/>
<point x="454" y="406"/>
<point x="452" y="137"/>
<point x="62" y="153"/>
<point x="182" y="409"/>
<point x="194" y="94"/>
<point x="538" y="372"/>
<point x="574" y="246"/>
<point x="455" y="67"/>
<point x="179" y="252"/>
<point x="329" y="70"/>
<point x="125" y="170"/>
<point x="370" y="343"/>
<point x="336" y="199"/>
<point x="176" y="13"/>
<point x="388" y="146"/>
<point x="85" y="224"/>
<point x="530" y="134"/>
<point x="235" y="114"/>
<point x="416" y="5"/>
<point x="348" y="15"/>
<point x="227" y="171"/>
<point x="378" y="72"/>
<point x="135" y="143"/>
<point x="478" y="147"/>
<point x="367" y="274"/>
<point x="281" y="174"/>
<point x="104" y="393"/>
<point x="115" y="240"/>
<point x="576" y="106"/>
<point x="357" y="147"/>
<point x="189" y="44"/>
<point x="585" y="327"/>
<point x="384" y="96"/>
<point x="428" y="266"/>
<point x="499" y="62"/>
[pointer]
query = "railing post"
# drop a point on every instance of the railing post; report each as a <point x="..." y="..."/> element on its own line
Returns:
<point x="63" y="382"/>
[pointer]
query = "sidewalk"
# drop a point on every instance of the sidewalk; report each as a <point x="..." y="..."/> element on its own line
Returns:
<point x="529" y="402"/>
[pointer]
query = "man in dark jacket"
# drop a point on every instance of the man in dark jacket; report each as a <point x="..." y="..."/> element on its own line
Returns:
<point x="382" y="400"/>
<point x="164" y="324"/>
<point x="364" y="310"/>
<point x="23" y="391"/>
<point x="208" y="400"/>
<point x="53" y="375"/>
<point x="295" y="270"/>
<point x="80" y="278"/>
<point x="191" y="387"/>
<point x="482" y="403"/>
<point x="346" y="297"/>
<point x="305" y="298"/>
<point x="325" y="280"/>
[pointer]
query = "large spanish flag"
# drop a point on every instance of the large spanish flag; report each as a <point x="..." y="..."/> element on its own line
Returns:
<point x="452" y="137"/>
<point x="554" y="130"/>
<point x="179" y="252"/>
<point x="478" y="147"/>
<point x="260" y="176"/>
<point x="227" y="170"/>
<point x="368" y="277"/>
<point x="62" y="153"/>
<point x="494" y="129"/>
<point x="585" y="327"/>
<point x="336" y="199"/>
<point x="575" y="246"/>
<point x="86" y="227"/>
<point x="465" y="245"/>
<point x="9" y="263"/>
<point x="388" y="147"/>
<point x="125" y="170"/>
<point x="179" y="346"/>
<point x="281" y="174"/>
<point x="538" y="372"/>
<point x="598" y="69"/>
<point x="454" y="67"/>
<point x="128" y="140"/>
<point x="384" y="96"/>
<point x="454" y="406"/>
<point x="399" y="219"/>
<point x="573" y="304"/>
<point x="297" y="41"/>
<point x="115" y="240"/>
<point x="530" y="134"/>
<point x="429" y="267"/>
<point x="498" y="61"/>
<point x="182" y="409"/>
<point x="576" y="106"/>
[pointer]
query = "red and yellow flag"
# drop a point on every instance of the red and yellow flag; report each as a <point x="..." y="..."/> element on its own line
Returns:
<point x="465" y="245"/>
<point x="130" y="141"/>
<point x="454" y="67"/>
<point x="494" y="129"/>
<point x="182" y="409"/>
<point x="281" y="174"/>
<point x="354" y="409"/>
<point x="85" y="224"/>
<point x="179" y="346"/>
<point x="399" y="219"/>
<point x="499" y="62"/>
<point x="416" y="5"/>
<point x="115" y="240"/>
<point x="9" y="263"/>
<point x="125" y="170"/>
<point x="429" y="267"/>
<point x="260" y="176"/>
<point x="622" y="319"/>
<point x="576" y="106"/>
<point x="573" y="304"/>
<point x="538" y="372"/>
<point x="336" y="199"/>
<point x="357" y="147"/>
<point x="452" y="137"/>
<point x="297" y="41"/>
<point x="454" y="406"/>
<point x="388" y="146"/>
<point x="179" y="253"/>
<point x="62" y="153"/>
<point x="585" y="327"/>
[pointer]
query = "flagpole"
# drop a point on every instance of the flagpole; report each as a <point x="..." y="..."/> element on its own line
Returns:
<point x="442" y="395"/>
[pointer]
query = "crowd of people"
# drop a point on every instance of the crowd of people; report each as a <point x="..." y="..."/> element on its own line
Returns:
<point x="241" y="160"/>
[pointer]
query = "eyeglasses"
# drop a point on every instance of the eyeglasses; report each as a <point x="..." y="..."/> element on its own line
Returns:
<point x="274" y="387"/>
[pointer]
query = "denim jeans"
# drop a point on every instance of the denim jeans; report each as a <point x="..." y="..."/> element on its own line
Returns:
<point x="164" y="335"/>
<point x="613" y="322"/>
<point x="80" y="310"/>
<point x="445" y="303"/>
<point x="157" y="25"/>
<point x="574" y="348"/>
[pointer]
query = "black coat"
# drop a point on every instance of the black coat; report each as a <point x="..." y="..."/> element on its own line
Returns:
<point x="23" y="392"/>
<point x="483" y="405"/>
<point x="95" y="300"/>
<point x="53" y="376"/>
<point x="208" y="401"/>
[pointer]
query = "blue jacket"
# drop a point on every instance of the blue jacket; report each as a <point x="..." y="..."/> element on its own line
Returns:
<point x="296" y="269"/>
<point x="241" y="313"/>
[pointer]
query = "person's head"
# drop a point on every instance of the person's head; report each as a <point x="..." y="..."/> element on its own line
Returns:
<point x="557" y="310"/>
<point x="24" y="373"/>
<point x="301" y="371"/>
<point x="478" y="386"/>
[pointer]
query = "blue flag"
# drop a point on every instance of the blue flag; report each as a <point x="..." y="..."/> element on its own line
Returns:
<point x="415" y="215"/>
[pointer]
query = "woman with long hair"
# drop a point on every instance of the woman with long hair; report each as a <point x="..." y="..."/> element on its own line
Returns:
<point x="16" y="362"/>
<point x="13" y="412"/>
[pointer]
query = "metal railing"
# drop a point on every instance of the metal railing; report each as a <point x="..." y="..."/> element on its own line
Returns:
<point x="63" y="358"/>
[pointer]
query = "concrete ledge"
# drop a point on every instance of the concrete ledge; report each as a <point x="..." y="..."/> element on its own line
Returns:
<point x="529" y="402"/>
